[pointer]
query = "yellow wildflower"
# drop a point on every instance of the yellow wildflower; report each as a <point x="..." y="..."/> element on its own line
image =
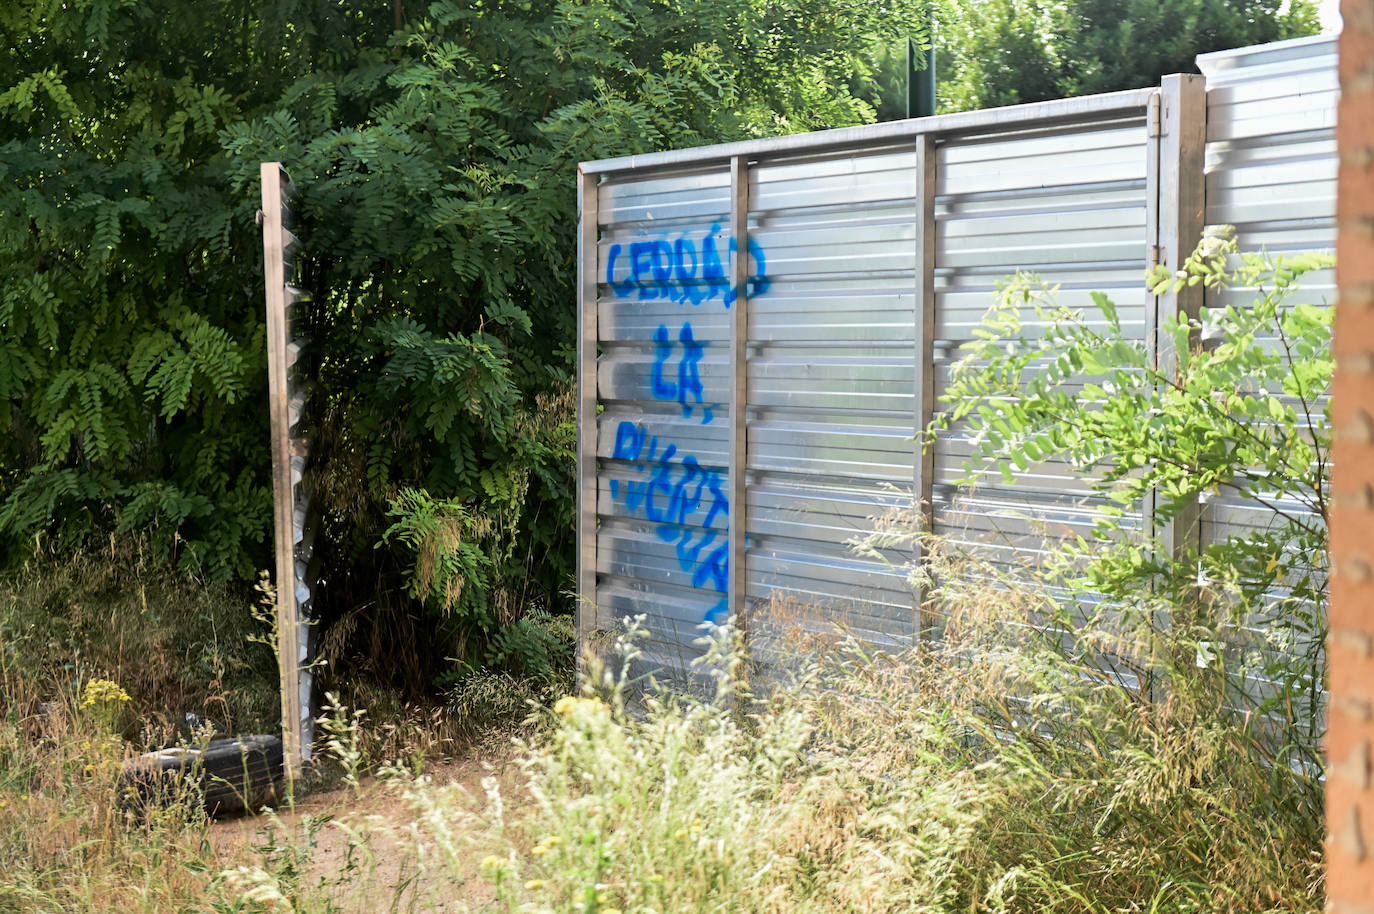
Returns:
<point x="100" y="691"/>
<point x="534" y="884"/>
<point x="568" y="705"/>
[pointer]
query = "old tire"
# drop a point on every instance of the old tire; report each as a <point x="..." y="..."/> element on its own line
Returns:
<point x="229" y="775"/>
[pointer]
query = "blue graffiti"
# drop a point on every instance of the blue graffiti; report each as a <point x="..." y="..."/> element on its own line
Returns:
<point x="663" y="390"/>
<point x="685" y="501"/>
<point x="688" y="384"/>
<point x="683" y="271"/>
<point x="673" y="495"/>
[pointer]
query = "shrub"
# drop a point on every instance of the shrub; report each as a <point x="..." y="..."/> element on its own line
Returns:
<point x="434" y="145"/>
<point x="1245" y="416"/>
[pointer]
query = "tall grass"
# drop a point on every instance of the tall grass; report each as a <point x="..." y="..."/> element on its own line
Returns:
<point x="174" y="645"/>
<point x="1013" y="765"/>
<point x="992" y="771"/>
<point x="66" y="844"/>
<point x="178" y="644"/>
<point x="1026" y="760"/>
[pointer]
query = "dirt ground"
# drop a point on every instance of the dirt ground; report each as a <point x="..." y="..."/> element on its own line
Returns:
<point x="383" y="874"/>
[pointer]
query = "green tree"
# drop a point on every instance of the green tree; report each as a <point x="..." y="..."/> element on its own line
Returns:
<point x="131" y="347"/>
<point x="434" y="147"/>
<point x="1003" y="52"/>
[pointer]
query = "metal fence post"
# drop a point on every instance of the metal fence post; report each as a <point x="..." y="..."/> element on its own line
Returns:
<point x="737" y="580"/>
<point x="587" y="238"/>
<point x="924" y="462"/>
<point x="1177" y="124"/>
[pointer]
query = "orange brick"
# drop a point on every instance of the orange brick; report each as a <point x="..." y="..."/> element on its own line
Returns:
<point x="1350" y="732"/>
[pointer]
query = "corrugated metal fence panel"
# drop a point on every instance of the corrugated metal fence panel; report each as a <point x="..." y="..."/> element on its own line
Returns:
<point x="830" y="381"/>
<point x="1271" y="148"/>
<point x="1060" y="189"/>
<point x="1271" y="172"/>
<point x="662" y="504"/>
<point x="1067" y="204"/>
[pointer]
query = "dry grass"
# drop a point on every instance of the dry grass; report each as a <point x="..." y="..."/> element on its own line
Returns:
<point x="174" y="645"/>
<point x="66" y="844"/>
<point x="177" y="644"/>
<point x="996" y="770"/>
<point x="1001" y="768"/>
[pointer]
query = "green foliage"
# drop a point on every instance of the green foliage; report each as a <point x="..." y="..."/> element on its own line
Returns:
<point x="131" y="350"/>
<point x="453" y="551"/>
<point x="540" y="645"/>
<point x="1003" y="52"/>
<point x="435" y="149"/>
<point x="1170" y="427"/>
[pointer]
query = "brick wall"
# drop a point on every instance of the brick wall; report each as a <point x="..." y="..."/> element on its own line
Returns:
<point x="1349" y="791"/>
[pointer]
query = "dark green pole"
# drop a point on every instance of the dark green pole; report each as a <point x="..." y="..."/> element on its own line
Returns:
<point x="920" y="83"/>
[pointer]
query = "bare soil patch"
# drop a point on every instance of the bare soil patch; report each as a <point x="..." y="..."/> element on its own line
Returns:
<point x="349" y="840"/>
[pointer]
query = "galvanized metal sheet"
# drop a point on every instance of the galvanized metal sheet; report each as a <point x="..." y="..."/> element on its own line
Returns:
<point x="1271" y="172"/>
<point x="831" y="382"/>
<point x="1069" y="205"/>
<point x="1271" y="146"/>
<point x="662" y="262"/>
<point x="834" y="231"/>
